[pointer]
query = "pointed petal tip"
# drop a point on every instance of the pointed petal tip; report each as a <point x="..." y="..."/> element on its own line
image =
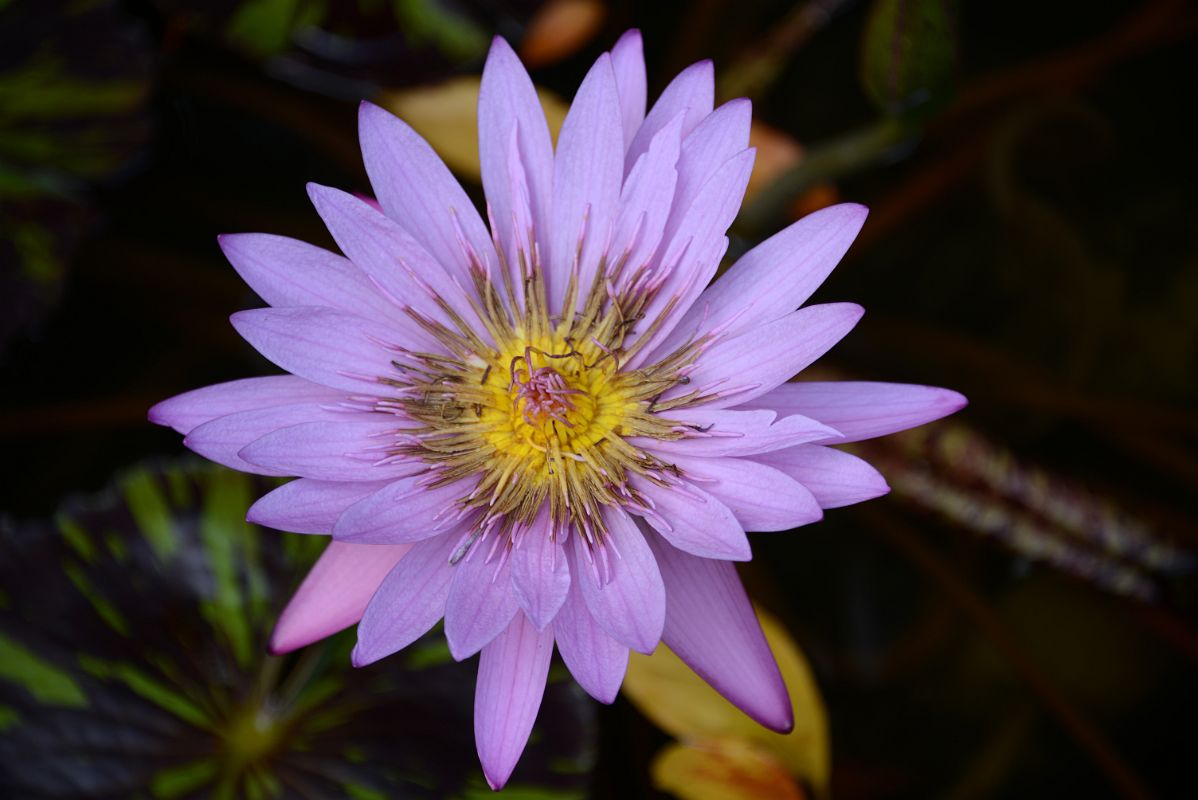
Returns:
<point x="159" y="414"/>
<point x="784" y="722"/>
<point x="952" y="401"/>
<point x="497" y="780"/>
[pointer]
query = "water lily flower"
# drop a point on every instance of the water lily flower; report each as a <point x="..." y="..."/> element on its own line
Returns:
<point x="550" y="430"/>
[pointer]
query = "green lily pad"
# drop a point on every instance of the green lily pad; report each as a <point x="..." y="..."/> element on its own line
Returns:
<point x="133" y="663"/>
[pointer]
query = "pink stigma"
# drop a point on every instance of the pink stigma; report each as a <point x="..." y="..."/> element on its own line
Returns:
<point x="544" y="391"/>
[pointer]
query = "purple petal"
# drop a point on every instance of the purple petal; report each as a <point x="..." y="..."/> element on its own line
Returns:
<point x="333" y="451"/>
<point x="628" y="62"/>
<point x="747" y="366"/>
<point x="481" y="602"/>
<point x="692" y="520"/>
<point x="643" y="212"/>
<point x="418" y="191"/>
<point x="540" y="574"/>
<point x="721" y="135"/>
<point x="723" y="432"/>
<point x="692" y="92"/>
<point x="187" y="411"/>
<point x="409" y="600"/>
<point x="694" y="249"/>
<point x="775" y="277"/>
<point x="862" y="409"/>
<point x="405" y="510"/>
<point x="309" y="506"/>
<point x="711" y="625"/>
<point x="507" y="102"/>
<point x="511" y="682"/>
<point x="622" y="589"/>
<point x="761" y="497"/>
<point x="329" y="347"/>
<point x="334" y="594"/>
<point x="587" y="174"/>
<point x="396" y="262"/>
<point x="223" y="438"/>
<point x="834" y="477"/>
<point x="286" y="272"/>
<point x="597" y="661"/>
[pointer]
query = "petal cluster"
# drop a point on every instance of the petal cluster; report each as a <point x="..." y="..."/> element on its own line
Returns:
<point x="551" y="429"/>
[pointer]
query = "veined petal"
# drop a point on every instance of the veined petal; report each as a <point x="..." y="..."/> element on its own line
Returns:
<point x="417" y="190"/>
<point x="286" y="272"/>
<point x="507" y="106"/>
<point x="691" y="254"/>
<point x="511" y="683"/>
<point x="405" y="510"/>
<point x="863" y="409"/>
<point x="305" y="505"/>
<point x="834" y="477"/>
<point x="399" y="266"/>
<point x="733" y="432"/>
<point x="329" y="347"/>
<point x="596" y="660"/>
<point x="692" y="91"/>
<point x="718" y="137"/>
<point x="347" y="450"/>
<point x="223" y="438"/>
<point x="693" y="520"/>
<point x="711" y="625"/>
<point x="775" y="277"/>
<point x="587" y="175"/>
<point x="185" y="412"/>
<point x="761" y="497"/>
<point x="628" y="62"/>
<point x="481" y="602"/>
<point x="540" y="574"/>
<point x="409" y="600"/>
<point x="642" y="211"/>
<point x="334" y="594"/>
<point x="738" y="369"/>
<point x="622" y="589"/>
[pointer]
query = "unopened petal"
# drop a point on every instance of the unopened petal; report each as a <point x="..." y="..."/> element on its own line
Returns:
<point x="334" y="594"/>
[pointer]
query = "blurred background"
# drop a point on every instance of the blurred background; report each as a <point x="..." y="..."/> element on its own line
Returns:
<point x="1016" y="619"/>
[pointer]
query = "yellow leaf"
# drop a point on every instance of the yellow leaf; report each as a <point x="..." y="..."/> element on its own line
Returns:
<point x="722" y="769"/>
<point x="777" y="152"/>
<point x="682" y="704"/>
<point x="446" y="114"/>
<point x="559" y="29"/>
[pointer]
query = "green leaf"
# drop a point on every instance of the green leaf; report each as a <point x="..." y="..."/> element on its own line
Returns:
<point x="909" y="55"/>
<point x="143" y="663"/>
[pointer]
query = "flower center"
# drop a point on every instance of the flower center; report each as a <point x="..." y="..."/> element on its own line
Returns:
<point x="541" y="394"/>
<point x="541" y="413"/>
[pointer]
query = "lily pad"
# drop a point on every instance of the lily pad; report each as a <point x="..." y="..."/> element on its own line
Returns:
<point x="133" y="663"/>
